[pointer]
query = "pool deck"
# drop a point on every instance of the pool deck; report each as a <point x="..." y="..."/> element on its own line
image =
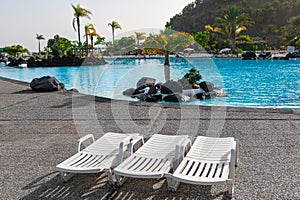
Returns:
<point x="39" y="130"/>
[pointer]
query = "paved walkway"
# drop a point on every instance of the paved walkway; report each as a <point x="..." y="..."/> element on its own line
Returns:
<point x="39" y="130"/>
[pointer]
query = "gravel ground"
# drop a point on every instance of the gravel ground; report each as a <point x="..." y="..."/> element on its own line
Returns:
<point x="39" y="130"/>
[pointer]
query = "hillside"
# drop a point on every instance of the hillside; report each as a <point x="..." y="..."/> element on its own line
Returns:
<point x="269" y="16"/>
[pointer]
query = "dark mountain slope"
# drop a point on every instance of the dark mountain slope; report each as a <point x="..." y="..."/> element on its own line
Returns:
<point x="269" y="16"/>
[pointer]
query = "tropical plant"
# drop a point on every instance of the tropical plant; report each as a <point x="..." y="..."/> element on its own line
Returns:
<point x="190" y="78"/>
<point x="114" y="25"/>
<point x="60" y="46"/>
<point x="79" y="12"/>
<point x="140" y="36"/>
<point x="39" y="38"/>
<point x="166" y="42"/>
<point x="232" y="22"/>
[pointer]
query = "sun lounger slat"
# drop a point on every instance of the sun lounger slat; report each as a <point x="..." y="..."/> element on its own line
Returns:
<point x="145" y="163"/>
<point x="187" y="167"/>
<point x="193" y="170"/>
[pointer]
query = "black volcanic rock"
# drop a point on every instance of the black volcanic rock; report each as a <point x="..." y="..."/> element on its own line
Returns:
<point x="70" y="60"/>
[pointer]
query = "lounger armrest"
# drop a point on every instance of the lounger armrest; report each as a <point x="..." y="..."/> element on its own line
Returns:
<point x="121" y="148"/>
<point x="81" y="140"/>
<point x="180" y="152"/>
<point x="132" y="143"/>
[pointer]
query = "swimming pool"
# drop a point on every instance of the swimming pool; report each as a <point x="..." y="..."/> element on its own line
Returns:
<point x="248" y="83"/>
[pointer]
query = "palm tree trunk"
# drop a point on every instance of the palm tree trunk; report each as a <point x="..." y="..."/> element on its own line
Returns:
<point x="40" y="47"/>
<point x="78" y="26"/>
<point x="167" y="59"/>
<point x="167" y="67"/>
<point x="232" y="38"/>
<point x="113" y="35"/>
<point x="92" y="45"/>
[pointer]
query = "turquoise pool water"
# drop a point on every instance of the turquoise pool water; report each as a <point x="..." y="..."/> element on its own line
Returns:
<point x="259" y="84"/>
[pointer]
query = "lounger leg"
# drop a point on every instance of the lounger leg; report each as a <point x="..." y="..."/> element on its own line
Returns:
<point x="232" y="170"/>
<point x="111" y="177"/>
<point x="230" y="190"/>
<point x="120" y="180"/>
<point x="237" y="153"/>
<point x="172" y="184"/>
<point x="66" y="176"/>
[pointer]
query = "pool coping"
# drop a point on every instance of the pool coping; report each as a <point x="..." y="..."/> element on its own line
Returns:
<point x="143" y="103"/>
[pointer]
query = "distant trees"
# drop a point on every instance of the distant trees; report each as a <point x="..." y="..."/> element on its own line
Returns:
<point x="78" y="13"/>
<point x="126" y="44"/>
<point x="15" y="50"/>
<point x="114" y="25"/>
<point x="140" y="36"/>
<point x="99" y="41"/>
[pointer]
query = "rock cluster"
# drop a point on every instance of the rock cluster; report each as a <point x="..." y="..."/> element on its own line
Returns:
<point x="51" y="61"/>
<point x="171" y="91"/>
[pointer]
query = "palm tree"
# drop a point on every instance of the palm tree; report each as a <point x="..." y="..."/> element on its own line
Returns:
<point x="166" y="42"/>
<point x="291" y="31"/>
<point x="39" y="38"/>
<point x="91" y="32"/>
<point x="86" y="31"/>
<point x="233" y="21"/>
<point x="114" y="25"/>
<point x="92" y="35"/>
<point x="79" y="12"/>
<point x="140" y="36"/>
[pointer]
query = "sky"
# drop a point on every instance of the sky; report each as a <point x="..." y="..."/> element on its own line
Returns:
<point x="21" y="20"/>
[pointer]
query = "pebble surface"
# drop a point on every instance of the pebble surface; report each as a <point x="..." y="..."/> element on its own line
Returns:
<point x="39" y="130"/>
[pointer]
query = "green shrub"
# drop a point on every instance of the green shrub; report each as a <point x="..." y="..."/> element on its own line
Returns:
<point x="190" y="78"/>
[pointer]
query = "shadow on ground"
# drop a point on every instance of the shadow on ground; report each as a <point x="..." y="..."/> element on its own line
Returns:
<point x="93" y="186"/>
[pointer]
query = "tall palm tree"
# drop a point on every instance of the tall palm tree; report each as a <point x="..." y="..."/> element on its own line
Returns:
<point x="79" y="12"/>
<point x="140" y="36"/>
<point x="114" y="25"/>
<point x="233" y="21"/>
<point x="39" y="38"/>
<point x="166" y="42"/>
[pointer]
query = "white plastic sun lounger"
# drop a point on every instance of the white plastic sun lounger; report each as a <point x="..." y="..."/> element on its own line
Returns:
<point x="210" y="161"/>
<point x="101" y="156"/>
<point x="155" y="158"/>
